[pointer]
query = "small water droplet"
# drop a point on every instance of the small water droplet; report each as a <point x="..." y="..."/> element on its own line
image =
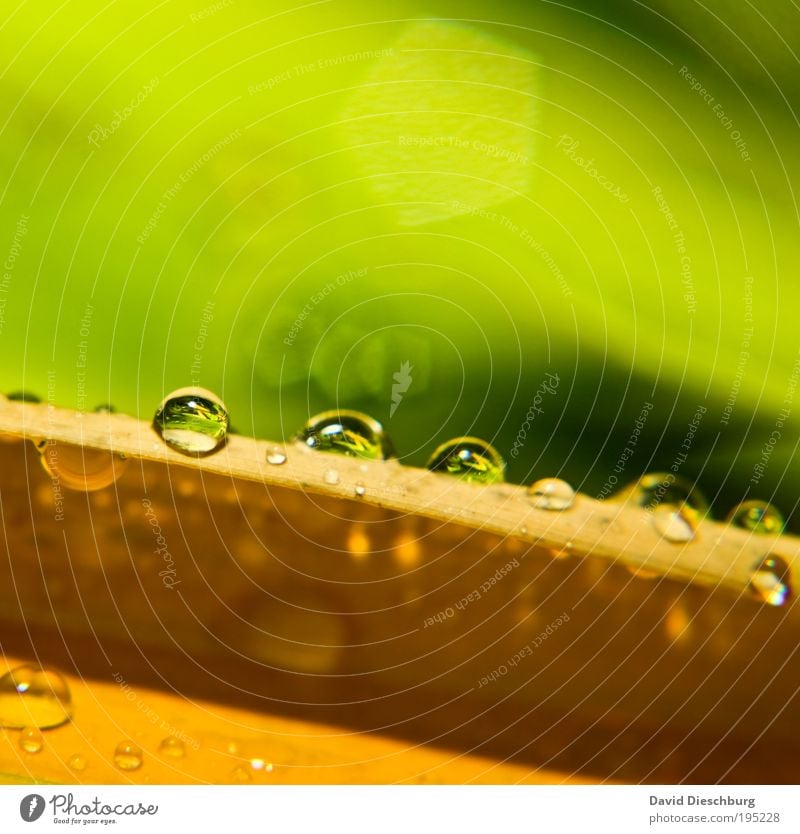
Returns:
<point x="127" y="756"/>
<point x="470" y="459"/>
<point x="105" y="408"/>
<point x="771" y="581"/>
<point x="172" y="747"/>
<point x="31" y="696"/>
<point x="31" y="740"/>
<point x="77" y="762"/>
<point x="241" y="774"/>
<point x="561" y="553"/>
<point x="233" y="747"/>
<point x="78" y="467"/>
<point x="664" y="488"/>
<point x="523" y="530"/>
<point x="260" y="764"/>
<point x="675" y="524"/>
<point x="347" y="433"/>
<point x="757" y="517"/>
<point x="193" y="421"/>
<point x="331" y="476"/>
<point x="551" y="494"/>
<point x="276" y="456"/>
<point x="360" y="490"/>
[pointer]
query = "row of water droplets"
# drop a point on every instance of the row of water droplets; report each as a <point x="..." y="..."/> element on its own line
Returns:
<point x="195" y="421"/>
<point x="33" y="698"/>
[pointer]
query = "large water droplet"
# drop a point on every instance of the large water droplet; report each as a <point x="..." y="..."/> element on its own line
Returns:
<point x="348" y="433"/>
<point x="469" y="458"/>
<point x="551" y="494"/>
<point x="34" y="697"/>
<point x="127" y="756"/>
<point x="80" y="468"/>
<point x="675" y="524"/>
<point x="193" y="421"/>
<point x="771" y="581"/>
<point x="664" y="488"/>
<point x="172" y="747"/>
<point x="757" y="517"/>
<point x="31" y="740"/>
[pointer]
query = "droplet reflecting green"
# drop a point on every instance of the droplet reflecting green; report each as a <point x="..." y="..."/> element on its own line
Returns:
<point x="105" y="408"/>
<point x="127" y="756"/>
<point x="664" y="488"/>
<point x="193" y="421"/>
<point x="757" y="517"/>
<point x="79" y="467"/>
<point x="470" y="459"/>
<point x="771" y="581"/>
<point x="31" y="696"/>
<point x="347" y="433"/>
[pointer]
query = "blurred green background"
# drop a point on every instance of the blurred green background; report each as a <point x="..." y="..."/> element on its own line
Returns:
<point x="286" y="203"/>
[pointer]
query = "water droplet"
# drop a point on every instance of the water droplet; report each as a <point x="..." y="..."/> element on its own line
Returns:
<point x="552" y="494"/>
<point x="561" y="553"/>
<point x="127" y="756"/>
<point x="233" y="747"/>
<point x="675" y="524"/>
<point x="664" y="488"/>
<point x="360" y="490"/>
<point x="241" y="774"/>
<point x="172" y="747"/>
<point x="23" y="397"/>
<point x="276" y="456"/>
<point x="34" y="697"/>
<point x="348" y="433"/>
<point x="260" y="764"/>
<point x="192" y="420"/>
<point x="771" y="581"/>
<point x="470" y="459"/>
<point x="77" y="762"/>
<point x="105" y="408"/>
<point x="31" y="740"/>
<point x="757" y="517"/>
<point x="80" y="468"/>
<point x="331" y="476"/>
